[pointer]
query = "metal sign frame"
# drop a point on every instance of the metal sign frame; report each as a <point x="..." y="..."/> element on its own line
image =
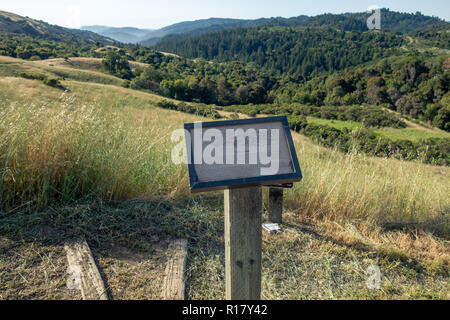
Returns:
<point x="279" y="179"/>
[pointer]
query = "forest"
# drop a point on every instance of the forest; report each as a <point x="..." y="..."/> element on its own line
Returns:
<point x="298" y="52"/>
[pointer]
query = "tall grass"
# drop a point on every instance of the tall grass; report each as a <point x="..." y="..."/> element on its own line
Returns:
<point x="370" y="191"/>
<point x="77" y="151"/>
<point x="73" y="145"/>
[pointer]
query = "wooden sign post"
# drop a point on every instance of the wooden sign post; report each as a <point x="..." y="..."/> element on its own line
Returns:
<point x="241" y="156"/>
<point x="275" y="206"/>
<point x="243" y="243"/>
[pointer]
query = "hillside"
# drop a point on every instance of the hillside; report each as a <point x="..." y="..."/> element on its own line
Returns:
<point x="298" y="52"/>
<point x="27" y="38"/>
<point x="79" y="145"/>
<point x="86" y="153"/>
<point x="192" y="28"/>
<point x="280" y="87"/>
<point x="15" y="24"/>
<point x="151" y="37"/>
<point x="395" y="22"/>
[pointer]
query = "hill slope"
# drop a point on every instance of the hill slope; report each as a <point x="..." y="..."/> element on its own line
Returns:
<point x="151" y="37"/>
<point x="15" y="24"/>
<point x="105" y="142"/>
<point x="297" y="51"/>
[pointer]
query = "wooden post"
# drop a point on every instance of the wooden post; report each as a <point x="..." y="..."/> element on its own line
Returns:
<point x="243" y="243"/>
<point x="276" y="205"/>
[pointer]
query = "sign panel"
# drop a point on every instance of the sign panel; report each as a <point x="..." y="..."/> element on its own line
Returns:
<point x="240" y="153"/>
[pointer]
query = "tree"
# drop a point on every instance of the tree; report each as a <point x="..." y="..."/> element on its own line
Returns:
<point x="224" y="92"/>
<point x="442" y="120"/>
<point x="242" y="94"/>
<point x="117" y="65"/>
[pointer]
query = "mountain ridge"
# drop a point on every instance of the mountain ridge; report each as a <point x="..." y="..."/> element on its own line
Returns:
<point x="392" y="21"/>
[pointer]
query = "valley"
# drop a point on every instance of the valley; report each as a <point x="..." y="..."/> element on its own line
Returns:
<point x="85" y="152"/>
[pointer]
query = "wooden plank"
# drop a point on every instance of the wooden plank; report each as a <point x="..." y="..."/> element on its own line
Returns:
<point x="173" y="285"/>
<point x="276" y="205"/>
<point x="79" y="257"/>
<point x="243" y="243"/>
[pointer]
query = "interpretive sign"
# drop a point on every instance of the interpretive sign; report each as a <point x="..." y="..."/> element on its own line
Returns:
<point x="240" y="153"/>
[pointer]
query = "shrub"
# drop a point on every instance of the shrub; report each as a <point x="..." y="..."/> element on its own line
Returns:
<point x="52" y="82"/>
<point x="297" y="123"/>
<point x="32" y="76"/>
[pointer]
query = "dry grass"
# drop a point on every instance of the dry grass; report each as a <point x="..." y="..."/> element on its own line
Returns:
<point x="92" y="64"/>
<point x="32" y="271"/>
<point x="104" y="148"/>
<point x="12" y="67"/>
<point x="113" y="143"/>
<point x="369" y="191"/>
<point x="133" y="275"/>
<point x="99" y="142"/>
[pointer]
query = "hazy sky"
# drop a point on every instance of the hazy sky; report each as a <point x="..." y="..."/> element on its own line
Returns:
<point x="159" y="13"/>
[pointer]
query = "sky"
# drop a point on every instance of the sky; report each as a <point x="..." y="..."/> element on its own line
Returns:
<point x="153" y="14"/>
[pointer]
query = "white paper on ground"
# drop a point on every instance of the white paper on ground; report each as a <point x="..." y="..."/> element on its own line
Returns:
<point x="272" y="227"/>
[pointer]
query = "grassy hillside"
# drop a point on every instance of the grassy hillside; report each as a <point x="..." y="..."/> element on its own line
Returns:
<point x="81" y="70"/>
<point x="412" y="132"/>
<point x="15" y="24"/>
<point x="93" y="160"/>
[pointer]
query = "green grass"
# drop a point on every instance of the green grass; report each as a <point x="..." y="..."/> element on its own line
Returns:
<point x="411" y="133"/>
<point x="338" y="124"/>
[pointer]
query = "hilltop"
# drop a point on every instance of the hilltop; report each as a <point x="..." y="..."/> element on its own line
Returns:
<point x="15" y="24"/>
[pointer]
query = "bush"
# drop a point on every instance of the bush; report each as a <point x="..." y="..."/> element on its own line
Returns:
<point x="200" y="109"/>
<point x="297" y="123"/>
<point x="52" y="82"/>
<point x="49" y="82"/>
<point x="32" y="76"/>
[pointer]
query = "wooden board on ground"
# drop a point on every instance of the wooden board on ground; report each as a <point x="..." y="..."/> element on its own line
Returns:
<point x="173" y="286"/>
<point x="79" y="257"/>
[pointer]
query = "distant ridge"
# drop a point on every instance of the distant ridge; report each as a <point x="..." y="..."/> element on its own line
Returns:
<point x="150" y="37"/>
<point x="392" y="21"/>
<point x="123" y="34"/>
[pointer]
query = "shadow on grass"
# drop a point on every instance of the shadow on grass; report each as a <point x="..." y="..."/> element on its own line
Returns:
<point x="379" y="252"/>
<point x="131" y="224"/>
<point x="134" y="224"/>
